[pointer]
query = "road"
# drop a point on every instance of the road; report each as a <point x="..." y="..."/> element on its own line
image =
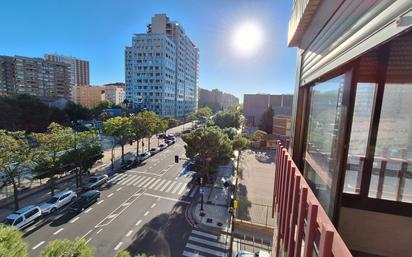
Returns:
<point x="141" y="210"/>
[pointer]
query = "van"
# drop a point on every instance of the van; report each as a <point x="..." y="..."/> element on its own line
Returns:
<point x="23" y="217"/>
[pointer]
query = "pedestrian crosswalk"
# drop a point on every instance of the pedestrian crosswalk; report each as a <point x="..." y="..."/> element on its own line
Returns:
<point x="201" y="243"/>
<point x="153" y="183"/>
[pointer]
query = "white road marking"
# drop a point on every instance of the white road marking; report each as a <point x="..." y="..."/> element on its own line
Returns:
<point x="127" y="180"/>
<point x="207" y="242"/>
<point x="58" y="231"/>
<point x="88" y="210"/>
<point x="167" y="191"/>
<point x="146" y="213"/>
<point x="89" y="240"/>
<point x="138" y="181"/>
<point x="153" y="205"/>
<point x="195" y="189"/>
<point x="205" y="250"/>
<point x="129" y="233"/>
<point x="38" y="245"/>
<point x="120" y="178"/>
<point x="100" y="230"/>
<point x="160" y="184"/>
<point x="137" y="223"/>
<point x="167" y="183"/>
<point x="167" y="198"/>
<point x="190" y="254"/>
<point x="133" y="180"/>
<point x="110" y="195"/>
<point x="114" y="177"/>
<point x="149" y="182"/>
<point x="143" y="181"/>
<point x="200" y="233"/>
<point x="118" y="246"/>
<point x="74" y="220"/>
<point x="177" y="187"/>
<point x="155" y="183"/>
<point x="120" y="188"/>
<point x="99" y="202"/>
<point x="88" y="232"/>
<point x="184" y="189"/>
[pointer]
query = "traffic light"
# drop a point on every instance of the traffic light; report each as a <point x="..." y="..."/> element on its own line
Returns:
<point x="176" y="158"/>
<point x="201" y="180"/>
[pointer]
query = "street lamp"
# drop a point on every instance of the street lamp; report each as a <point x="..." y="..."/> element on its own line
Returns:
<point x="113" y="145"/>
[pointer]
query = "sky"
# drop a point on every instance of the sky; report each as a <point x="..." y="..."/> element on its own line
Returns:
<point x="99" y="30"/>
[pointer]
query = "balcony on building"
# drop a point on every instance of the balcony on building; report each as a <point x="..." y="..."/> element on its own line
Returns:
<point x="351" y="127"/>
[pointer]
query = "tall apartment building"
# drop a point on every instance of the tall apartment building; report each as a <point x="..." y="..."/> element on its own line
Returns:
<point x="216" y="99"/>
<point x="79" y="69"/>
<point x="114" y="93"/>
<point x="34" y="76"/>
<point x="88" y="96"/>
<point x="162" y="69"/>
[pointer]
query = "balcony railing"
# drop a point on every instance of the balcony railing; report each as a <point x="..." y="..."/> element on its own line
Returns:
<point x="302" y="225"/>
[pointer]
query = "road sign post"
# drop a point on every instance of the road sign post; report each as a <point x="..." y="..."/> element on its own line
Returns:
<point x="202" y="191"/>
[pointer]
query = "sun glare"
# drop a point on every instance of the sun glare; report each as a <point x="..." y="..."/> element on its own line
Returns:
<point x="247" y="38"/>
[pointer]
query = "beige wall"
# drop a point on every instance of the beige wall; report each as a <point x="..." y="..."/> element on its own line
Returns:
<point x="376" y="233"/>
<point x="88" y="96"/>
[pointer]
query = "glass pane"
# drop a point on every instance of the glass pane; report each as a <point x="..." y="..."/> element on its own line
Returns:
<point x="323" y="128"/>
<point x="362" y="113"/>
<point x="391" y="175"/>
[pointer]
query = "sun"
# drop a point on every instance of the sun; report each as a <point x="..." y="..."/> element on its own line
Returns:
<point x="247" y="38"/>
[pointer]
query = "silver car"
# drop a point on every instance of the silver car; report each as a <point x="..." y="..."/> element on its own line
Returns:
<point x="96" y="181"/>
<point x="58" y="201"/>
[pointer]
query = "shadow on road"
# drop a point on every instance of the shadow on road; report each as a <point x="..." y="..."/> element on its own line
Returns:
<point x="243" y="203"/>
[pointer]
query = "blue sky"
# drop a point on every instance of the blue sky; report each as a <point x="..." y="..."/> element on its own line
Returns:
<point x="98" y="31"/>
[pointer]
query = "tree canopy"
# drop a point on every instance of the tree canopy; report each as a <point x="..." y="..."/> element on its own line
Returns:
<point x="67" y="248"/>
<point x="228" y="119"/>
<point x="266" y="121"/>
<point x="120" y="129"/>
<point x="11" y="242"/>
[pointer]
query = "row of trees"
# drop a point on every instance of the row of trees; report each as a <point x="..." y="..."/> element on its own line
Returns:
<point x="136" y="127"/>
<point x="12" y="245"/>
<point x="47" y="154"/>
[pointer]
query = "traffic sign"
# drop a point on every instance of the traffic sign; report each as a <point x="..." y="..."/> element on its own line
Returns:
<point x="235" y="204"/>
<point x="202" y="190"/>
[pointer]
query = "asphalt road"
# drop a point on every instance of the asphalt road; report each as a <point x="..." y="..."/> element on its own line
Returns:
<point x="141" y="210"/>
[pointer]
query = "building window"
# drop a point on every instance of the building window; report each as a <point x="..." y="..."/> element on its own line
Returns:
<point x="322" y="138"/>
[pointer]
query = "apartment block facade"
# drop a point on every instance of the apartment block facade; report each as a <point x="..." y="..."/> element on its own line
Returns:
<point x="34" y="76"/>
<point x="114" y="93"/>
<point x="88" y="96"/>
<point x="216" y="99"/>
<point x="162" y="69"/>
<point x="79" y="69"/>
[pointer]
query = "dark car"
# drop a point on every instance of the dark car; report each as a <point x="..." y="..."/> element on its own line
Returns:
<point x="161" y="136"/>
<point x="85" y="200"/>
<point x="95" y="182"/>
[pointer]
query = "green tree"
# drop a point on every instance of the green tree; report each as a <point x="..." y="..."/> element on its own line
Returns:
<point x="121" y="129"/>
<point x="53" y="144"/>
<point x="266" y="121"/>
<point x="171" y="123"/>
<point x="228" y="119"/>
<point x="210" y="145"/>
<point x="67" y="248"/>
<point x="230" y="132"/>
<point x="11" y="242"/>
<point x="259" y="135"/>
<point x="86" y="150"/>
<point x="239" y="143"/>
<point x="202" y="115"/>
<point x="127" y="254"/>
<point x="150" y="121"/>
<point x="77" y="112"/>
<point x="16" y="155"/>
<point x="160" y="127"/>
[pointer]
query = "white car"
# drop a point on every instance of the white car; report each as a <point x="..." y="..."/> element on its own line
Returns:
<point x="23" y="217"/>
<point x="163" y="146"/>
<point x="249" y="254"/>
<point x="154" y="150"/>
<point x="144" y="156"/>
<point x="58" y="201"/>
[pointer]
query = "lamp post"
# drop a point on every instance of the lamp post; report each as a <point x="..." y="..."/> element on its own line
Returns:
<point x="113" y="145"/>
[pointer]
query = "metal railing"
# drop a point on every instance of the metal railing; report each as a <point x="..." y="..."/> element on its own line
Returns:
<point x="302" y="225"/>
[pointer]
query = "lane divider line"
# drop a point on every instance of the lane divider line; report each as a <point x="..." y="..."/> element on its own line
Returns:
<point x="88" y="232"/>
<point x="110" y="195"/>
<point x="129" y="233"/>
<point x="118" y="246"/>
<point x="168" y="198"/>
<point x="100" y="230"/>
<point x="58" y="231"/>
<point x="153" y="205"/>
<point x="88" y="210"/>
<point x="38" y="245"/>
<point x="137" y="223"/>
<point x="74" y="220"/>
<point x="99" y="202"/>
<point x="146" y="213"/>
<point x="117" y="190"/>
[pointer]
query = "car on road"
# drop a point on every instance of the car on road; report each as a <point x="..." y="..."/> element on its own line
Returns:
<point x="170" y="137"/>
<point x="23" y="217"/>
<point x="161" y="136"/>
<point x="154" y="150"/>
<point x="58" y="201"/>
<point x="260" y="253"/>
<point x="163" y="146"/>
<point x="144" y="156"/>
<point x="96" y="181"/>
<point x="85" y="200"/>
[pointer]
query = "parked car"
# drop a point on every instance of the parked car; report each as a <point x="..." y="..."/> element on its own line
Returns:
<point x="154" y="150"/>
<point x="96" y="181"/>
<point x="161" y="136"/>
<point x="163" y="146"/>
<point x="144" y="156"/>
<point x="58" y="201"/>
<point x="171" y="137"/>
<point x="85" y="200"/>
<point x="23" y="217"/>
<point x="169" y="142"/>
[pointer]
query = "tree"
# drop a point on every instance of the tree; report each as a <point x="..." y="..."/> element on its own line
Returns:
<point x="53" y="143"/>
<point x="67" y="248"/>
<point x="202" y="115"/>
<point x="77" y="112"/>
<point x="266" y="121"/>
<point x="120" y="129"/>
<point x="127" y="254"/>
<point x="11" y="242"/>
<point x="86" y="150"/>
<point x="150" y="121"/>
<point x="138" y="130"/>
<point x="259" y="135"/>
<point x="210" y="145"/>
<point x="171" y="123"/>
<point x="15" y="155"/>
<point x="160" y="127"/>
<point x="228" y="119"/>
<point x="239" y="143"/>
<point x="230" y="132"/>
